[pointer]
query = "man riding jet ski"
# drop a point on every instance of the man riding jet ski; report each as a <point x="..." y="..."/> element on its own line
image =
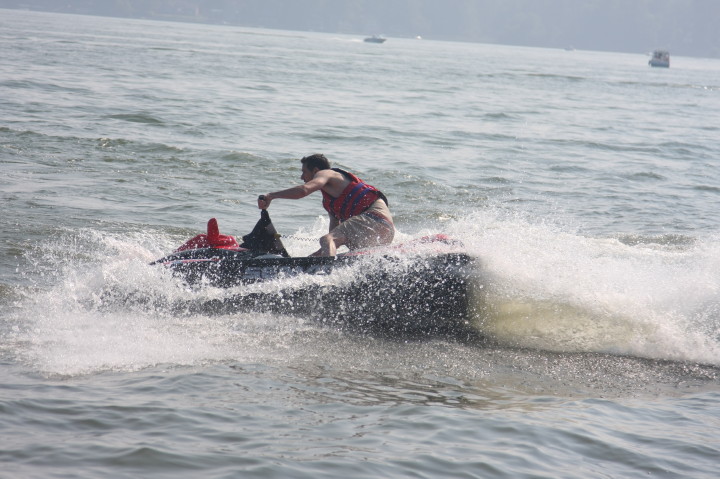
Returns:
<point x="359" y="214"/>
<point x="420" y="285"/>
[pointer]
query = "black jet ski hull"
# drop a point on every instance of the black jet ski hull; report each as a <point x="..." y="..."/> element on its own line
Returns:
<point x="418" y="287"/>
<point x="418" y="296"/>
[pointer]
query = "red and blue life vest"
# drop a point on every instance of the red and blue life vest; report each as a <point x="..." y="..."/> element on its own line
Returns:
<point x="355" y="198"/>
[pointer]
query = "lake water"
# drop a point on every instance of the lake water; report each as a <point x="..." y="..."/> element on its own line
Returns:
<point x="585" y="184"/>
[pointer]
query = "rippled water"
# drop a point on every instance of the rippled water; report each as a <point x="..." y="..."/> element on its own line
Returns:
<point x="585" y="184"/>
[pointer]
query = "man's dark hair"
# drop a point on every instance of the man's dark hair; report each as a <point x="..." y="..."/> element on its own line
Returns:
<point x="317" y="160"/>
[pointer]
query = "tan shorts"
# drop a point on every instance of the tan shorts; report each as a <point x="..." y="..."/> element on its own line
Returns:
<point x="371" y="228"/>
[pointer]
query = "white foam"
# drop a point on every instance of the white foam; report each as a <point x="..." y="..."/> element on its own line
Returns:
<point x="538" y="286"/>
<point x="547" y="288"/>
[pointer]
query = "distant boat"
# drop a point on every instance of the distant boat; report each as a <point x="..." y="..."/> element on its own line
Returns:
<point x="660" y="58"/>
<point x="375" y="39"/>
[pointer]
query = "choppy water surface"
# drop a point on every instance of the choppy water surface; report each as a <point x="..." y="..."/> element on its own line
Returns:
<point x="585" y="185"/>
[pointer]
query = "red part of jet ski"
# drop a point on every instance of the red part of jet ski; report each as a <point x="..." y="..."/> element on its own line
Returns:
<point x="213" y="239"/>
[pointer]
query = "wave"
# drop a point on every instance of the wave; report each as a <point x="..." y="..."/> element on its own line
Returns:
<point x="666" y="85"/>
<point x="544" y="288"/>
<point x="37" y="86"/>
<point x="577" y="79"/>
<point x="666" y="240"/>
<point x="140" y="117"/>
<point x="131" y="145"/>
<point x="707" y="188"/>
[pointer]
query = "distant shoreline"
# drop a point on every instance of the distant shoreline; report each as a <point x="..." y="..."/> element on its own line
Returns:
<point x="462" y="21"/>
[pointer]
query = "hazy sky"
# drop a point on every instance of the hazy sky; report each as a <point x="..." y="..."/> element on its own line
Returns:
<point x="685" y="27"/>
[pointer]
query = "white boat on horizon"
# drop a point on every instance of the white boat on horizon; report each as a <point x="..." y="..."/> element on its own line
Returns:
<point x="660" y="58"/>
<point x="375" y="39"/>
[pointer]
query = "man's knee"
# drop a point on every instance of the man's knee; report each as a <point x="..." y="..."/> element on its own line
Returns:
<point x="333" y="237"/>
<point x="326" y="240"/>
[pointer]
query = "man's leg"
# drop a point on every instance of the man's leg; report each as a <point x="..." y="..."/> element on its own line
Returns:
<point x="331" y="242"/>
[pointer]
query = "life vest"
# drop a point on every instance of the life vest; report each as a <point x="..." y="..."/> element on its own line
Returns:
<point x="355" y="198"/>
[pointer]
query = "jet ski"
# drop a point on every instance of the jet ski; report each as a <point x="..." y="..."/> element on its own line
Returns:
<point x="419" y="286"/>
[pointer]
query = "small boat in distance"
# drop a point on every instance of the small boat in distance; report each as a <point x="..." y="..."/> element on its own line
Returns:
<point x="375" y="39"/>
<point x="660" y="58"/>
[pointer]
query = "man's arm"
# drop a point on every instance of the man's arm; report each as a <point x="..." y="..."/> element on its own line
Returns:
<point x="296" y="192"/>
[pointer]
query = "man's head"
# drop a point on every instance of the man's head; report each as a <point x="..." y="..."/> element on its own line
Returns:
<point x="317" y="160"/>
<point x="312" y="164"/>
